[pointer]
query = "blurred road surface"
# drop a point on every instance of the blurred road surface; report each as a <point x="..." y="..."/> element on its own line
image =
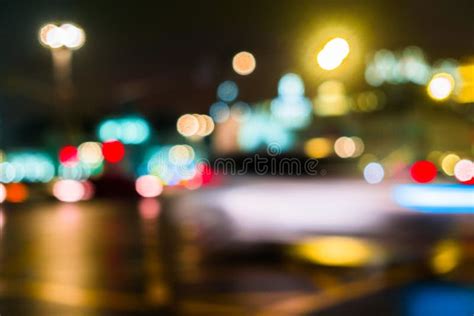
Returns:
<point x="126" y="258"/>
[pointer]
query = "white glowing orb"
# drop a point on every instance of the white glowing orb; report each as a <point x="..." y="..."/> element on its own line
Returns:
<point x="90" y="153"/>
<point x="464" y="170"/>
<point x="333" y="53"/>
<point x="68" y="190"/>
<point x="148" y="186"/>
<point x="441" y="86"/>
<point x="66" y="35"/>
<point x="187" y="125"/>
<point x="3" y="193"/>
<point x="374" y="173"/>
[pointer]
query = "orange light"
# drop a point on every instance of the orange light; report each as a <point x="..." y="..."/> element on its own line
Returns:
<point x="17" y="192"/>
<point x="244" y="63"/>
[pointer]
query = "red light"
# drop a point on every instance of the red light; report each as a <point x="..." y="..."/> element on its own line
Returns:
<point x="423" y="171"/>
<point x="68" y="156"/>
<point x="207" y="174"/>
<point x="113" y="151"/>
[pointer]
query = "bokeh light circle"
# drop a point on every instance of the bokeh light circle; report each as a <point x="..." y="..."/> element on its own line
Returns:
<point x="187" y="125"/>
<point x="3" y="193"/>
<point x="345" y="147"/>
<point x="113" y="151"/>
<point x="68" y="190"/>
<point x="90" y="153"/>
<point x="448" y="162"/>
<point x="244" y="63"/>
<point x="318" y="147"/>
<point x="333" y="53"/>
<point x="227" y="91"/>
<point x="181" y="154"/>
<point x="464" y="170"/>
<point x="220" y="112"/>
<point x="423" y="171"/>
<point x="291" y="85"/>
<point x="209" y="125"/>
<point x="440" y="86"/>
<point x="148" y="186"/>
<point x="374" y="173"/>
<point x="68" y="156"/>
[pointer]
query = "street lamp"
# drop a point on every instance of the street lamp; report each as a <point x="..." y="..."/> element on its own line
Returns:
<point x="62" y="40"/>
<point x="333" y="53"/>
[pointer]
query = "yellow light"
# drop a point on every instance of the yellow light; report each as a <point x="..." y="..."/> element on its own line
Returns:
<point x="466" y="90"/>
<point x="448" y="162"/>
<point x="446" y="256"/>
<point x="90" y="153"/>
<point x="338" y="251"/>
<point x="244" y="63"/>
<point x="440" y="86"/>
<point x="331" y="99"/>
<point x="187" y="125"/>
<point x="318" y="147"/>
<point x="333" y="53"/>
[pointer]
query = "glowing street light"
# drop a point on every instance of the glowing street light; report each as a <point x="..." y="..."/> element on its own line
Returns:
<point x="67" y="35"/>
<point x="62" y="40"/>
<point x="440" y="86"/>
<point x="333" y="53"/>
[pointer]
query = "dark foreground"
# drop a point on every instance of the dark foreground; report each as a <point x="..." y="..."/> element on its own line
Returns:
<point x="125" y="258"/>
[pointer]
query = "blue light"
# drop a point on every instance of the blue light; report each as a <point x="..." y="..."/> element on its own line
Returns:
<point x="291" y="85"/>
<point x="250" y="136"/>
<point x="109" y="130"/>
<point x="7" y="172"/>
<point x="292" y="112"/>
<point x="31" y="167"/>
<point x="435" y="198"/>
<point x="261" y="129"/>
<point x="128" y="130"/>
<point x="440" y="300"/>
<point x="134" y="130"/>
<point x="220" y="112"/>
<point x="227" y="91"/>
<point x="275" y="135"/>
<point x="79" y="171"/>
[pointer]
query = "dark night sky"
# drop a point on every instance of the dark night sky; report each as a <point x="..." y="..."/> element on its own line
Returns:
<point x="170" y="56"/>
